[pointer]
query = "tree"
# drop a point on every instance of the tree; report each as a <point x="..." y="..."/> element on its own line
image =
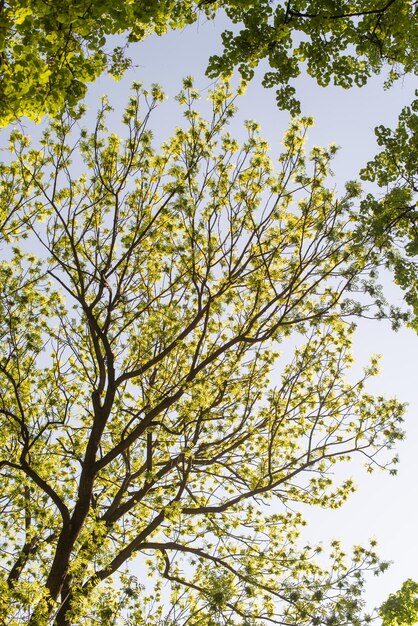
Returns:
<point x="392" y="215"/>
<point x="401" y="608"/>
<point x="145" y="411"/>
<point x="51" y="51"/>
<point x="343" y="42"/>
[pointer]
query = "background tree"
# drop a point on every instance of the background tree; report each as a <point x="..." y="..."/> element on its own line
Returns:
<point x="50" y="52"/>
<point x="401" y="608"/>
<point x="392" y="214"/>
<point x="144" y="408"/>
<point x="340" y="42"/>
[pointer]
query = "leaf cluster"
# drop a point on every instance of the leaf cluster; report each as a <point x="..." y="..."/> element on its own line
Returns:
<point x="401" y="608"/>
<point x="392" y="216"/>
<point x="50" y="52"/>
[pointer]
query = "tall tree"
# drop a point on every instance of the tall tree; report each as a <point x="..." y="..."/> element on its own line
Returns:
<point x="51" y="51"/>
<point x="145" y="412"/>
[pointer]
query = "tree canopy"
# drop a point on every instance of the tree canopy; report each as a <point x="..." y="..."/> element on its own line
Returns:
<point x="176" y="323"/>
<point x="51" y="51"/>
<point x="392" y="214"/>
<point x="401" y="608"/>
<point x="145" y="410"/>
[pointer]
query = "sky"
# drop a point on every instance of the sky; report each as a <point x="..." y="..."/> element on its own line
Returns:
<point x="383" y="507"/>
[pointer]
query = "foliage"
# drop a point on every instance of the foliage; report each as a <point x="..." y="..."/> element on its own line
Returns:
<point x="392" y="218"/>
<point x="401" y="608"/>
<point x="51" y="51"/>
<point x="344" y="42"/>
<point x="145" y="410"/>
